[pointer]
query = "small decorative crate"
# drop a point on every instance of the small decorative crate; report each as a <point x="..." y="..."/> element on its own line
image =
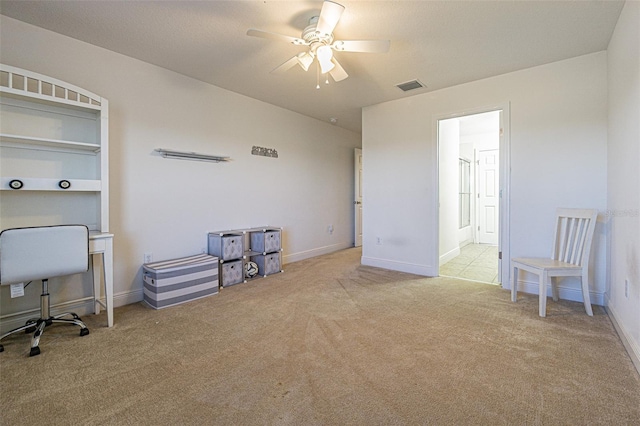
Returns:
<point x="176" y="281"/>
<point x="231" y="273"/>
<point x="266" y="241"/>
<point x="268" y="264"/>
<point x="226" y="246"/>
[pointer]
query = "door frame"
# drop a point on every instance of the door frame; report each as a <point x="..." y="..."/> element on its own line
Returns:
<point x="357" y="197"/>
<point x="504" y="270"/>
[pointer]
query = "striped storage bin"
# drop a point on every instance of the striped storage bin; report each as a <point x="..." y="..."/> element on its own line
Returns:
<point x="176" y="281"/>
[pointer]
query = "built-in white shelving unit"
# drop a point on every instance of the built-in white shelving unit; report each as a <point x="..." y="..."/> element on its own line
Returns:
<point x="54" y="164"/>
<point x="54" y="148"/>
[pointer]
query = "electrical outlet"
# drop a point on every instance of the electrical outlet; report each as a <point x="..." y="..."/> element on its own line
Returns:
<point x="626" y="288"/>
<point x="330" y="229"/>
<point x="379" y="241"/>
<point x="203" y="250"/>
<point x="148" y="257"/>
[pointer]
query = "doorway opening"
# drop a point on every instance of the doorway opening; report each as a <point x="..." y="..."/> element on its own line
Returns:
<point x="470" y="189"/>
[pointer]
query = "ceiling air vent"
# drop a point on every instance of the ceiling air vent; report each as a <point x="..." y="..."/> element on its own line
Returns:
<point x="409" y="85"/>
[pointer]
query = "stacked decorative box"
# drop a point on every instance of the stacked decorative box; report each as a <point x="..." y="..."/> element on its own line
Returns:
<point x="229" y="248"/>
<point x="266" y="241"/>
<point x="176" y="281"/>
<point x="237" y="247"/>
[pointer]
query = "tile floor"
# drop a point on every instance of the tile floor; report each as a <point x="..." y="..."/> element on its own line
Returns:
<point x="477" y="262"/>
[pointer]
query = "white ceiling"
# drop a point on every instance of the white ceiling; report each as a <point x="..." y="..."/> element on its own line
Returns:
<point x="441" y="43"/>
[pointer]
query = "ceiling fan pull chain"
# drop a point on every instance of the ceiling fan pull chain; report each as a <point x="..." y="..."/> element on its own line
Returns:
<point x="317" y="75"/>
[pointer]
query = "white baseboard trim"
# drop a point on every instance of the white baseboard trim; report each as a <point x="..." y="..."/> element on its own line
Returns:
<point x="450" y="255"/>
<point x="394" y="265"/>
<point x="82" y="307"/>
<point x="128" y="297"/>
<point x="629" y="344"/>
<point x="296" y="257"/>
<point x="566" y="293"/>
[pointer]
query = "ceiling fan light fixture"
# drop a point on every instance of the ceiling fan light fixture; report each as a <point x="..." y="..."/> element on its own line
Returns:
<point x="305" y="60"/>
<point x="318" y="37"/>
<point x="324" y="55"/>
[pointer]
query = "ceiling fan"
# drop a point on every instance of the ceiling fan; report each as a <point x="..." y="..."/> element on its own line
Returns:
<point x="318" y="36"/>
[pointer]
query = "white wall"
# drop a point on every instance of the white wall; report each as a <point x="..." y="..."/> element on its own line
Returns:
<point x="558" y="134"/>
<point x="624" y="177"/>
<point x="167" y="206"/>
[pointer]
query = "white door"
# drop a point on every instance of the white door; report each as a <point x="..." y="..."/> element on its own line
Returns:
<point x="488" y="162"/>
<point x="357" y="202"/>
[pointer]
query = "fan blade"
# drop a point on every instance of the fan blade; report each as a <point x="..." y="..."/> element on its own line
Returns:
<point x="365" y="46"/>
<point x="329" y="17"/>
<point x="275" y="36"/>
<point x="338" y="73"/>
<point x="286" y="66"/>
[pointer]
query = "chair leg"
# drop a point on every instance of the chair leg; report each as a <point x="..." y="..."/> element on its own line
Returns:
<point x="44" y="321"/>
<point x="585" y="294"/>
<point x="27" y="328"/>
<point x="543" y="294"/>
<point x="555" y="292"/>
<point x="514" y="285"/>
<point x="35" y="340"/>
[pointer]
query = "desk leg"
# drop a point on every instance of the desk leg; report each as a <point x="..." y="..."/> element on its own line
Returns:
<point x="97" y="280"/>
<point x="107" y="264"/>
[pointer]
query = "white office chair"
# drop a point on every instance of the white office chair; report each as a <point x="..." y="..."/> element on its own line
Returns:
<point x="569" y="257"/>
<point x="40" y="253"/>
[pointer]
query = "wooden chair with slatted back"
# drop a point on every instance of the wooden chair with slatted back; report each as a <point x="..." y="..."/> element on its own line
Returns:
<point x="569" y="257"/>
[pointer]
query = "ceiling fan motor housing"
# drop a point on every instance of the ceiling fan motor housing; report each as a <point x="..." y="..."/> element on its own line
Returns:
<point x="313" y="37"/>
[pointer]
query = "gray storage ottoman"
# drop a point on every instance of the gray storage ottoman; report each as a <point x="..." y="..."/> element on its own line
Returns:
<point x="176" y="281"/>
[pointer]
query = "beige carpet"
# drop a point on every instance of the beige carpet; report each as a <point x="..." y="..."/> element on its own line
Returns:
<point x="330" y="342"/>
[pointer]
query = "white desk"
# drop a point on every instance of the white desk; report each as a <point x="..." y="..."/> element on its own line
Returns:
<point x="101" y="244"/>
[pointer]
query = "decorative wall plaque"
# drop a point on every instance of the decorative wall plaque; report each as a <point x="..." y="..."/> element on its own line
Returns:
<point x="265" y="152"/>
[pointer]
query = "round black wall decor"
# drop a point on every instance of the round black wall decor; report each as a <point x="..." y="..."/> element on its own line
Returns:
<point x="16" y="184"/>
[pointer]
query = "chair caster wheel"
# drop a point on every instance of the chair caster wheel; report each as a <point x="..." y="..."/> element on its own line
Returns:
<point x="84" y="331"/>
<point x="34" y="351"/>
<point x="29" y="330"/>
<point x="1" y="348"/>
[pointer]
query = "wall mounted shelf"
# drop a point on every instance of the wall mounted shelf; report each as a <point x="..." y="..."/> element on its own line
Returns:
<point x="182" y="155"/>
<point x="51" y="143"/>
<point x="47" y="184"/>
